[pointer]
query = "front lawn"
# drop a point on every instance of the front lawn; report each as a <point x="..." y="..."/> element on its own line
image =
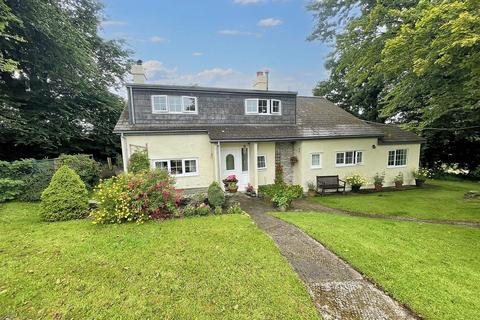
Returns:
<point x="434" y="269"/>
<point x="211" y="267"/>
<point x="436" y="200"/>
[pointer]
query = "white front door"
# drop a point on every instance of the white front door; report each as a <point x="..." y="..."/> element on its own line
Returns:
<point x="235" y="161"/>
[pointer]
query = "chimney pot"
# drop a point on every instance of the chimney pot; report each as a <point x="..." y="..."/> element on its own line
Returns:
<point x="138" y="72"/>
<point x="261" y="82"/>
<point x="139" y="62"/>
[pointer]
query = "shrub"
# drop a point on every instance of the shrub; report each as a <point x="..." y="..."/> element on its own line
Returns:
<point x="235" y="209"/>
<point x="114" y="202"/>
<point x="153" y="194"/>
<point x="217" y="211"/>
<point x="216" y="197"/>
<point x="194" y="210"/>
<point x="87" y="168"/>
<point x="10" y="189"/>
<point x="282" y="194"/>
<point x="356" y="180"/>
<point x="17" y="169"/>
<point x="279" y="174"/>
<point x="196" y="198"/>
<point x="378" y="179"/>
<point x="65" y="198"/>
<point x="311" y="186"/>
<point x="398" y="178"/>
<point x="138" y="162"/>
<point x="36" y="182"/>
<point x="421" y="174"/>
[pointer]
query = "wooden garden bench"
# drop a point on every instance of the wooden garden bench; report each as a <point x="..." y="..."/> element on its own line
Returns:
<point x="329" y="183"/>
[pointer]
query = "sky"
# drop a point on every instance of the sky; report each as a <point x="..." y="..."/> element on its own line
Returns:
<point x="220" y="43"/>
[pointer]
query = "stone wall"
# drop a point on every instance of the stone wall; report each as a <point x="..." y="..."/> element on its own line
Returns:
<point x="284" y="151"/>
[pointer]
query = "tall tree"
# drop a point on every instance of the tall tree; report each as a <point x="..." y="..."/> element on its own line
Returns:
<point x="416" y="63"/>
<point x="59" y="99"/>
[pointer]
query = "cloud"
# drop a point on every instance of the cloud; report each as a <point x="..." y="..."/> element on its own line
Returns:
<point x="246" y="1"/>
<point x="197" y="54"/>
<point x="107" y="23"/>
<point x="229" y="32"/>
<point x="155" y="69"/>
<point x="157" y="39"/>
<point x="269" y="22"/>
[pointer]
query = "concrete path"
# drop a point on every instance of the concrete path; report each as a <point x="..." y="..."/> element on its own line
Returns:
<point x="338" y="291"/>
<point x="308" y="205"/>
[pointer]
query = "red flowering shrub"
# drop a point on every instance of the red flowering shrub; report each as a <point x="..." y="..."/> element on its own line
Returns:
<point x="153" y="193"/>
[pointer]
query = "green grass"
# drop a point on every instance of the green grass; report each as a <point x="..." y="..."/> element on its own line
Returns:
<point x="437" y="200"/>
<point x="435" y="269"/>
<point x="209" y="267"/>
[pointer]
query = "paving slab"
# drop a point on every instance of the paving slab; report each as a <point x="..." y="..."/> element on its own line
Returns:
<point x="338" y="290"/>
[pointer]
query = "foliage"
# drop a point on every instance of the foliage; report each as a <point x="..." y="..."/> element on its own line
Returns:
<point x="230" y="182"/>
<point x="216" y="197"/>
<point x="114" y="202"/>
<point x="394" y="255"/>
<point x="356" y="180"/>
<point x="153" y="195"/>
<point x="196" y="198"/>
<point x="414" y="63"/>
<point x="141" y="262"/>
<point x="235" y="209"/>
<point x="249" y="188"/>
<point x="138" y="162"/>
<point x="37" y="181"/>
<point x="87" y="168"/>
<point x="9" y="189"/>
<point x="378" y="178"/>
<point x="16" y="169"/>
<point x="197" y="210"/>
<point x="421" y="174"/>
<point x="65" y="198"/>
<point x="398" y="178"/>
<point x="282" y="194"/>
<point x="55" y="90"/>
<point x="218" y="211"/>
<point x="278" y="174"/>
<point x="311" y="185"/>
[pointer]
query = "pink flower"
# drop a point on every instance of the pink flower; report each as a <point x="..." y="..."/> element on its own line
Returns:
<point x="202" y="205"/>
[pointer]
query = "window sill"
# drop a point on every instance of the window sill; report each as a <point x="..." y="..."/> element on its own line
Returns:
<point x="185" y="175"/>
<point x="262" y="169"/>
<point x="348" y="165"/>
<point x="394" y="167"/>
<point x="315" y="168"/>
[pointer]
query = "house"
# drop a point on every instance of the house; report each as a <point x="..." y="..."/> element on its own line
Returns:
<point x="202" y="134"/>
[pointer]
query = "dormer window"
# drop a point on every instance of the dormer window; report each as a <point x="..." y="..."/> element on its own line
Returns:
<point x="174" y="104"/>
<point x="263" y="106"/>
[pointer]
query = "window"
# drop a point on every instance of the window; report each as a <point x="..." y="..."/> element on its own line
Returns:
<point x="261" y="162"/>
<point x="263" y="106"/>
<point x="349" y="158"/>
<point x="174" y="104"/>
<point x="244" y="159"/>
<point x="397" y="158"/>
<point x="316" y="161"/>
<point x="230" y="162"/>
<point x="159" y="103"/>
<point x="178" y="167"/>
<point x="275" y="107"/>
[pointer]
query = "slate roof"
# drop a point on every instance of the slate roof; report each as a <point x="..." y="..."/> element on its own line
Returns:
<point x="317" y="118"/>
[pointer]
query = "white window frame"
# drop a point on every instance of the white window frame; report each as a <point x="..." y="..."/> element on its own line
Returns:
<point x="354" y="155"/>
<point x="395" y="158"/>
<point x="167" y="98"/>
<point x="265" y="161"/>
<point x="153" y="106"/>
<point x="269" y="107"/>
<point x="169" y="168"/>
<point x="320" y="156"/>
<point x="279" y="106"/>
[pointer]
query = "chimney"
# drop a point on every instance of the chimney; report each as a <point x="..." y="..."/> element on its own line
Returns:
<point x="138" y="72"/>
<point x="261" y="82"/>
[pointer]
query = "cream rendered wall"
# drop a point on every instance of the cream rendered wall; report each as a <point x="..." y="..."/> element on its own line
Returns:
<point x="267" y="175"/>
<point x="161" y="147"/>
<point x="374" y="160"/>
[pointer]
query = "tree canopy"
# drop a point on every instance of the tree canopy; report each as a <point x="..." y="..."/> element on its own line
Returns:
<point x="55" y="79"/>
<point x="415" y="63"/>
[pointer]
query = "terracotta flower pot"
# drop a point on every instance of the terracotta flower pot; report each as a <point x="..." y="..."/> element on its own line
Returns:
<point x="312" y="193"/>
<point x="232" y="189"/>
<point x="378" y="187"/>
<point x="398" y="184"/>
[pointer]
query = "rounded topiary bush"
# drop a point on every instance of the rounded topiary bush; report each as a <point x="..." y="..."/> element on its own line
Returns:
<point x="65" y="198"/>
<point x="138" y="162"/>
<point x="215" y="194"/>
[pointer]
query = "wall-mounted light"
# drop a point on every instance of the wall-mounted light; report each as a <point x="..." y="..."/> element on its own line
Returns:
<point x="374" y="146"/>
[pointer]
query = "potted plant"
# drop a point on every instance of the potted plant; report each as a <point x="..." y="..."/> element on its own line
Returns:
<point x="378" y="180"/>
<point x="421" y="175"/>
<point x="250" y="190"/>
<point x="311" y="188"/>
<point x="230" y="183"/>
<point x="293" y="160"/>
<point x="356" y="181"/>
<point x="398" y="180"/>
